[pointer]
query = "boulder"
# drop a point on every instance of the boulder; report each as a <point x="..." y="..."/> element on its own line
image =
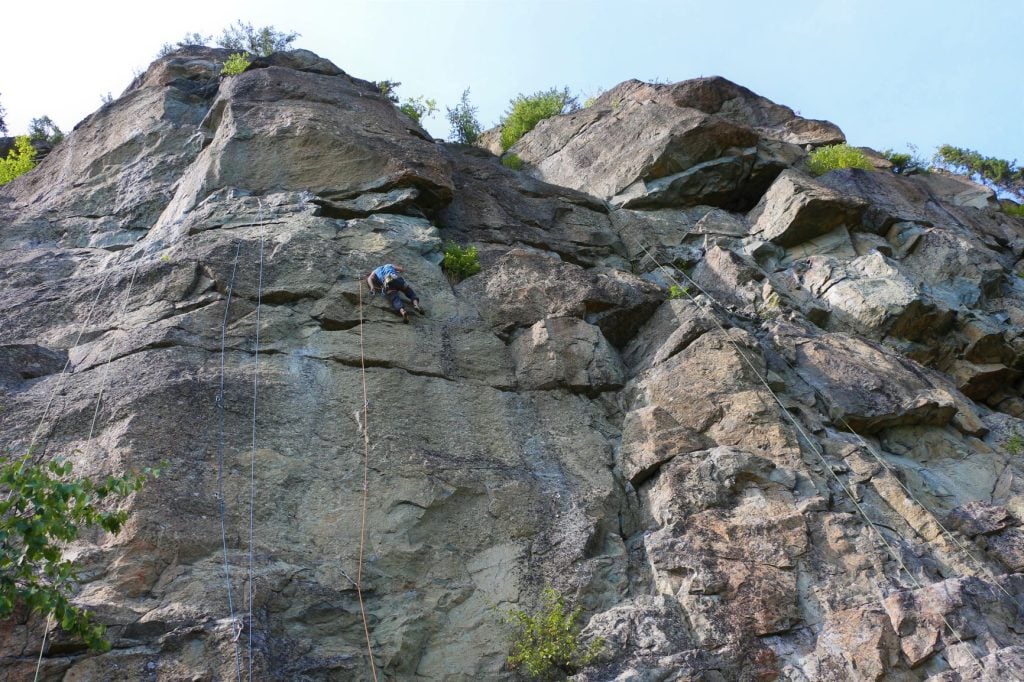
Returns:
<point x="566" y="352"/>
<point x="796" y="209"/>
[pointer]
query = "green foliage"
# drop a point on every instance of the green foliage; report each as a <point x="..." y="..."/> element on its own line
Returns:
<point x="236" y="64"/>
<point x="43" y="129"/>
<point x="1016" y="210"/>
<point x="192" y="38"/>
<point x="1014" y="444"/>
<point x="512" y="161"/>
<point x="675" y="291"/>
<point x="547" y="644"/>
<point x="1000" y="174"/>
<point x="19" y="161"/>
<point x="464" y="125"/>
<point x="262" y="42"/>
<point x="836" y="156"/>
<point x="906" y="164"/>
<point x="460" y="262"/>
<point x="418" y="107"/>
<point x="525" y="112"/>
<point x="3" y="124"/>
<point x="42" y="508"/>
<point x="389" y="89"/>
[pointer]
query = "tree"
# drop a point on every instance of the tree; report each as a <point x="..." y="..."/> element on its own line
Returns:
<point x="1000" y="174"/>
<point x="43" y="129"/>
<point x="3" y="123"/>
<point x="193" y="38"/>
<point x="41" y="508"/>
<point x="526" y="111"/>
<point x="262" y="42"/>
<point x="465" y="127"/>
<point x="19" y="161"/>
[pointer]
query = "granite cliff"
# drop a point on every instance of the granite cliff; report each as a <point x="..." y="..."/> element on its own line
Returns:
<point x="805" y="467"/>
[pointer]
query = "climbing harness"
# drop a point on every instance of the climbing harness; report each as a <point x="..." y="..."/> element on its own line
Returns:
<point x="813" y="446"/>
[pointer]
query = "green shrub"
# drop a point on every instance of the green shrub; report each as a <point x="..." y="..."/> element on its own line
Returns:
<point x="1016" y="210"/>
<point x="263" y="41"/>
<point x="1014" y="444"/>
<point x="236" y="64"/>
<point x="43" y="129"/>
<point x="462" y="118"/>
<point x="836" y="156"/>
<point x="460" y="262"/>
<point x="512" y="161"/>
<point x="418" y="107"/>
<point x="547" y="645"/>
<point x="389" y="89"/>
<point x="19" y="161"/>
<point x="525" y="112"/>
<point x="906" y="164"/>
<point x="675" y="291"/>
<point x="42" y="509"/>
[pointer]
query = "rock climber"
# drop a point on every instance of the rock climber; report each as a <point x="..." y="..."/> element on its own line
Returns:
<point x="388" y="280"/>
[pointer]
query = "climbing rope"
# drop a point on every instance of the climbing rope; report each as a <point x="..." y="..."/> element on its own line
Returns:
<point x="252" y="455"/>
<point x="874" y="453"/>
<point x="67" y="363"/>
<point x="220" y="463"/>
<point x="92" y="427"/>
<point x="366" y="488"/>
<point x="812" y="444"/>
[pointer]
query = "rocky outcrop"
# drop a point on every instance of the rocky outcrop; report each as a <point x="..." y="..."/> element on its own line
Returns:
<point x="801" y="462"/>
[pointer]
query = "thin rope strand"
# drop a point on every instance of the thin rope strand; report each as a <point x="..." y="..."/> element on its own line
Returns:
<point x="220" y="463"/>
<point x="896" y="557"/>
<point x="366" y="474"/>
<point x="252" y="456"/>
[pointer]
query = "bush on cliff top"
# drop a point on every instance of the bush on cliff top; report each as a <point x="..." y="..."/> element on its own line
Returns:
<point x="236" y="64"/>
<point x="836" y="156"/>
<point x="462" y="118"/>
<point x="526" y="111"/>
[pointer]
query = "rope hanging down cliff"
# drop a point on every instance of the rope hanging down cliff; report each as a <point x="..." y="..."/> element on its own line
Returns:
<point x="366" y="473"/>
<point x="813" y="446"/>
<point x="220" y="462"/>
<point x="96" y="411"/>
<point x="829" y="403"/>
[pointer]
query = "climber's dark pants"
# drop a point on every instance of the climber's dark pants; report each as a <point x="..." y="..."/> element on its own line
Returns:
<point x="393" y="295"/>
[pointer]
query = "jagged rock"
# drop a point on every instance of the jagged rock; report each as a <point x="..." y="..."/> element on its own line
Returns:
<point x="796" y="209"/>
<point x="701" y="141"/>
<point x="702" y="514"/>
<point x="523" y="287"/>
<point x="565" y="351"/>
<point x="675" y="325"/>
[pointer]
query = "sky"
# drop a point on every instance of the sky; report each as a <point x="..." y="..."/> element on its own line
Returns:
<point x="888" y="72"/>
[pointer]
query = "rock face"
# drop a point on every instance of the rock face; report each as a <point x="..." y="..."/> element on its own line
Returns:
<point x="802" y="462"/>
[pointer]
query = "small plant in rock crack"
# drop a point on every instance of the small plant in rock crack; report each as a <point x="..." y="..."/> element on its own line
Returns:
<point x="548" y="644"/>
<point x="1014" y="444"/>
<point x="460" y="262"/>
<point x="675" y="291"/>
<point x="236" y="64"/>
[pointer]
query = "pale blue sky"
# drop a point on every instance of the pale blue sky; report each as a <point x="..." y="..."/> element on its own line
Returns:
<point x="887" y="72"/>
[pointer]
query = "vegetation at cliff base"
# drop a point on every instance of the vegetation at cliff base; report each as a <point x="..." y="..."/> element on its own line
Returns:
<point x="19" y="161"/>
<point x="460" y="262"/>
<point x="526" y="111"/>
<point x="836" y="156"/>
<point x="42" y="507"/>
<point x="465" y="128"/>
<point x="547" y="645"/>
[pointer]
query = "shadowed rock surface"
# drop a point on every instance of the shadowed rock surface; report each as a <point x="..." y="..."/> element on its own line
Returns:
<point x="802" y="463"/>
